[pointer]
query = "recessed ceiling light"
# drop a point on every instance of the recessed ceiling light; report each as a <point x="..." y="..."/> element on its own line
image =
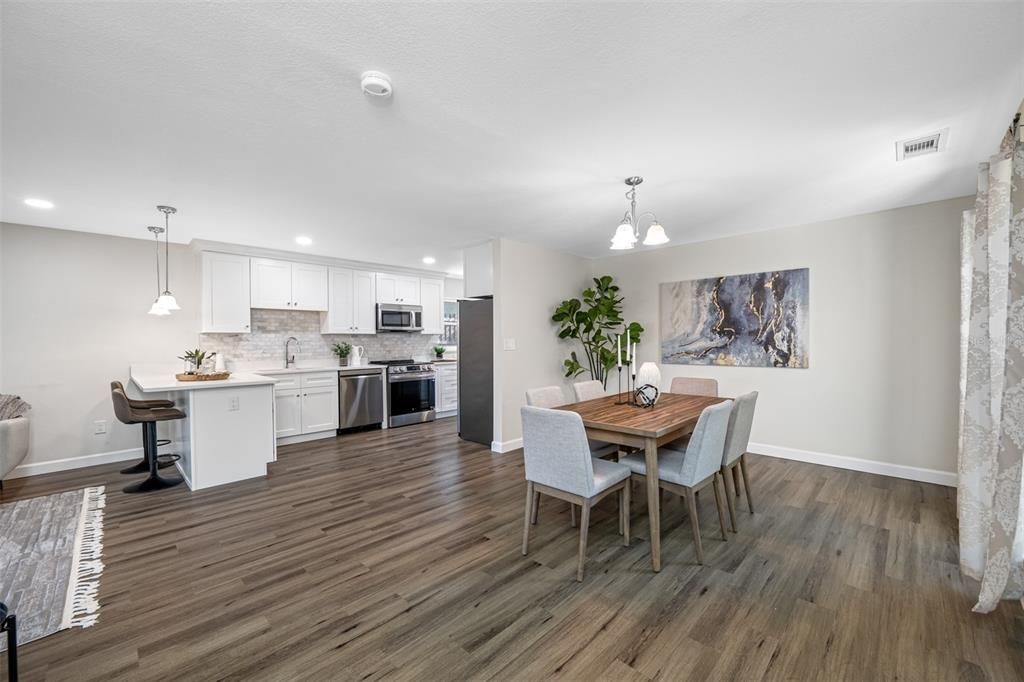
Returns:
<point x="429" y="260"/>
<point x="39" y="203"/>
<point x="303" y="241"/>
<point x="376" y="84"/>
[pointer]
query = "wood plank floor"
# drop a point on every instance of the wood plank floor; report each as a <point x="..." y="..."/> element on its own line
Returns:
<point x="396" y="555"/>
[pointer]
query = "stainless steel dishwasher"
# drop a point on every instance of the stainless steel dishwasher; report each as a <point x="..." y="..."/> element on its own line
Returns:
<point x="360" y="399"/>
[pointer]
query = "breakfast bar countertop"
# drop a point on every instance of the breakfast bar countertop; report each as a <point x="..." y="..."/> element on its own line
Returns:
<point x="164" y="382"/>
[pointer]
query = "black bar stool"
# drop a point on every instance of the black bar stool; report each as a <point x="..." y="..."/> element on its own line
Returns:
<point x="163" y="461"/>
<point x="148" y="418"/>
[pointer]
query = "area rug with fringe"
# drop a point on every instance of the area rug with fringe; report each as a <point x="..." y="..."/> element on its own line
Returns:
<point x="50" y="561"/>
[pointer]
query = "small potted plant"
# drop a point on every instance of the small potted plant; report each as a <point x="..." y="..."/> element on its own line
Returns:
<point x="439" y="352"/>
<point x="194" y="360"/>
<point x="342" y="350"/>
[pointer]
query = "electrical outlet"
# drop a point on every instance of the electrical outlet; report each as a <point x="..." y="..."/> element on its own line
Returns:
<point x="233" y="405"/>
<point x="510" y="343"/>
<point x="99" y="427"/>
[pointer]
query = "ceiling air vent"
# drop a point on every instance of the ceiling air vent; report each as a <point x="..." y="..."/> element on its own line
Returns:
<point x="922" y="146"/>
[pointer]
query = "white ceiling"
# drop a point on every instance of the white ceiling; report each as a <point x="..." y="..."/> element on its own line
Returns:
<point x="517" y="120"/>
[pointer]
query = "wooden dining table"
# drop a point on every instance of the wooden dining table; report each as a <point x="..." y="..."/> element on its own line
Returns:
<point x="646" y="428"/>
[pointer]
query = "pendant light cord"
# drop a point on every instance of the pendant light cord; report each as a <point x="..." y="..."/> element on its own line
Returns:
<point x="156" y="235"/>
<point x="167" y="252"/>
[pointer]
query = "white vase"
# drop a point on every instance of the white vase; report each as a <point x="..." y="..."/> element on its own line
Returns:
<point x="648" y="374"/>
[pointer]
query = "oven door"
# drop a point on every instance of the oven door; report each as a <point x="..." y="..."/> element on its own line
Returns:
<point x="410" y="399"/>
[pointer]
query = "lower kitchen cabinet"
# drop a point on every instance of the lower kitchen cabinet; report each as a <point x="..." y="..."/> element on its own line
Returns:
<point x="306" y="403"/>
<point x="319" y="409"/>
<point x="288" y="407"/>
<point x="446" y="400"/>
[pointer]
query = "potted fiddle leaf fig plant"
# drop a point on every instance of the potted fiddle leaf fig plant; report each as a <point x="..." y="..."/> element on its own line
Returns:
<point x="439" y="352"/>
<point x="596" y="322"/>
<point x="342" y="350"/>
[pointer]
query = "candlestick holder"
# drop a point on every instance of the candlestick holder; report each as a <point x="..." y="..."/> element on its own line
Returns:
<point x="618" y="392"/>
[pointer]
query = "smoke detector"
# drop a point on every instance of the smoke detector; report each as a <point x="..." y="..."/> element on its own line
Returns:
<point x="376" y="84"/>
<point x="922" y="146"/>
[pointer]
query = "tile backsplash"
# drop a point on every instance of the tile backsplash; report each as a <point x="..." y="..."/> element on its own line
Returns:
<point x="264" y="346"/>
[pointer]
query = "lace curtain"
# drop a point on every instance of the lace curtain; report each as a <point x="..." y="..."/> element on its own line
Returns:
<point x="991" y="457"/>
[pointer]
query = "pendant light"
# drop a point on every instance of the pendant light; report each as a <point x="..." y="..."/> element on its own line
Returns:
<point x="156" y="308"/>
<point x="167" y="299"/>
<point x="628" y="232"/>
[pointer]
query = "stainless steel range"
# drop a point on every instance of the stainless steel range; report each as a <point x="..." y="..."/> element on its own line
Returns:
<point x="410" y="392"/>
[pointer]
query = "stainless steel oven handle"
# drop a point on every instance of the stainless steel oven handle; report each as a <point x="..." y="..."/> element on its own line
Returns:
<point x="398" y="378"/>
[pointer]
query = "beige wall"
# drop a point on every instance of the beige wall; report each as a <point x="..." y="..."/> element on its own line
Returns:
<point x="530" y="281"/>
<point x="73" y="314"/>
<point x="884" y="324"/>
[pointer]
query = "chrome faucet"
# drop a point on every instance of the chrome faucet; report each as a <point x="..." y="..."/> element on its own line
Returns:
<point x="289" y="360"/>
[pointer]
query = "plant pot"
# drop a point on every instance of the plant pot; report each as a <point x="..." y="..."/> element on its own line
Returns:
<point x="439" y="356"/>
<point x="343" y="362"/>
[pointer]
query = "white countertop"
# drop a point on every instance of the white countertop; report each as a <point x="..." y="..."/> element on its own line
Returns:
<point x="307" y="370"/>
<point x="165" y="382"/>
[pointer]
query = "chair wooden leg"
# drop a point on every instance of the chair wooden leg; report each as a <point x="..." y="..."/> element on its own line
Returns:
<point x="718" y="504"/>
<point x="746" y="481"/>
<point x="526" y="521"/>
<point x="572" y="514"/>
<point x="584" y="524"/>
<point x="736" y="479"/>
<point x="691" y="504"/>
<point x="626" y="499"/>
<point x="730" y="503"/>
<point x="536" y="508"/>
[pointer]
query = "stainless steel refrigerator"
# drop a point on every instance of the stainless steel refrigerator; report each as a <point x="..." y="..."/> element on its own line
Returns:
<point x="476" y="371"/>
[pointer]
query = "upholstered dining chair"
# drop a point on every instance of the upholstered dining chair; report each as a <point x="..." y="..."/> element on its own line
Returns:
<point x="545" y="396"/>
<point x="588" y="390"/>
<point x="694" y="386"/>
<point x="558" y="464"/>
<point x="552" y="396"/>
<point x="686" y="473"/>
<point x="737" y="439"/>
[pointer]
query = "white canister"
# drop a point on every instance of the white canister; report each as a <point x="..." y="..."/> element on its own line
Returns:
<point x="220" y="364"/>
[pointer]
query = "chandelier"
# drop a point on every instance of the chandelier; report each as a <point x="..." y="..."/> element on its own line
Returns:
<point x="628" y="232"/>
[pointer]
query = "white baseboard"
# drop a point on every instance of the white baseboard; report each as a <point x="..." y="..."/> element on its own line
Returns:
<point x="306" y="437"/>
<point x="68" y="463"/>
<point x="506" y="446"/>
<point x="946" y="478"/>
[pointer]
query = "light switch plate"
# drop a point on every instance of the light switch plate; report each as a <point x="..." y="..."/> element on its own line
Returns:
<point x="100" y="427"/>
<point x="233" y="404"/>
<point x="510" y="343"/>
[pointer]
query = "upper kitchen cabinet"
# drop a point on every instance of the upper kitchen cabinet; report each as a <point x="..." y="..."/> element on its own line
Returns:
<point x="225" y="305"/>
<point x="478" y="270"/>
<point x="432" y="301"/>
<point x="282" y="285"/>
<point x="351" y="305"/>
<point x="393" y="288"/>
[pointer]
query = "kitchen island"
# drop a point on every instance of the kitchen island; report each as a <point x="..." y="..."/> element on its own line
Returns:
<point x="228" y="432"/>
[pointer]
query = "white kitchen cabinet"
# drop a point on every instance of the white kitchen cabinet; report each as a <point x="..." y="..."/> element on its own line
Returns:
<point x="392" y="288"/>
<point x="306" y="402"/>
<point x="319" y="408"/>
<point x="446" y="397"/>
<point x="225" y="304"/>
<point x="281" y="285"/>
<point x="288" y="413"/>
<point x="478" y="269"/>
<point x="271" y="284"/>
<point x="309" y="286"/>
<point x="364" y="293"/>
<point x="432" y="300"/>
<point x="351" y="305"/>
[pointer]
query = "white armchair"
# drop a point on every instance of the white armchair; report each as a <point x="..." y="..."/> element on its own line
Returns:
<point x="13" y="444"/>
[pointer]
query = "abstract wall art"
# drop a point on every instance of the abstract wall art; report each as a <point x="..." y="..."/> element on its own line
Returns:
<point x="755" y="320"/>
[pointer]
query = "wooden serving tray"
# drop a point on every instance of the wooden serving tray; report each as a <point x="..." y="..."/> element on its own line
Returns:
<point x="210" y="376"/>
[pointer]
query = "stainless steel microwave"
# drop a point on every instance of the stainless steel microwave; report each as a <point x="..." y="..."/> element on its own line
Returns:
<point x="392" y="317"/>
